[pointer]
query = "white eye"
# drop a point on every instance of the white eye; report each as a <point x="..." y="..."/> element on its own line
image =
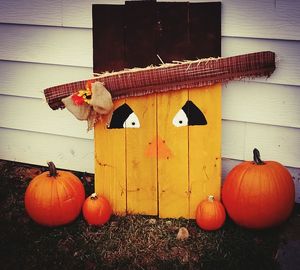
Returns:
<point x="180" y="119"/>
<point x="132" y="121"/>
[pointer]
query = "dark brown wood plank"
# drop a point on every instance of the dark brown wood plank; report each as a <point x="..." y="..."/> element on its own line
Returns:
<point x="108" y="38"/>
<point x="133" y="35"/>
<point x="172" y="31"/>
<point x="140" y="23"/>
<point x="204" y="30"/>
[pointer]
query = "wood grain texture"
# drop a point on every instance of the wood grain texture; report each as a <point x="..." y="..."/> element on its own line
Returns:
<point x="140" y="33"/>
<point x="173" y="179"/>
<point x="181" y="184"/>
<point x="141" y="169"/>
<point x="165" y="32"/>
<point x="204" y="24"/>
<point x="205" y="147"/>
<point x="108" y="38"/>
<point x="110" y="165"/>
<point x="173" y="31"/>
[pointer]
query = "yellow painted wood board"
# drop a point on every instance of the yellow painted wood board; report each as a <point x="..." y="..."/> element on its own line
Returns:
<point x="141" y="162"/>
<point x="173" y="168"/>
<point x="162" y="161"/>
<point x="205" y="147"/>
<point x="110" y="164"/>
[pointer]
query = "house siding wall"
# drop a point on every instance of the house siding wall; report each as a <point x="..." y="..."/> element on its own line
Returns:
<point x="45" y="43"/>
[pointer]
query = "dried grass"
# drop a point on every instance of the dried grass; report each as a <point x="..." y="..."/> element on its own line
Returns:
<point x="131" y="242"/>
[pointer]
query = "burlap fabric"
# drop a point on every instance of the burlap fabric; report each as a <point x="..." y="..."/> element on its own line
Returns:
<point x="174" y="76"/>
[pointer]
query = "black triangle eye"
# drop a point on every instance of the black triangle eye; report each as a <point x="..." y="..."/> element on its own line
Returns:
<point x="189" y="115"/>
<point x="124" y="117"/>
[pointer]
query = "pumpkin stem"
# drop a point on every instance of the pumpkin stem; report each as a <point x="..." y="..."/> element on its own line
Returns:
<point x="256" y="157"/>
<point x="52" y="169"/>
<point x="211" y="198"/>
<point x="94" y="196"/>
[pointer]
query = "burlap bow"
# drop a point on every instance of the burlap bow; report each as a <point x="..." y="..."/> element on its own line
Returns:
<point x="90" y="104"/>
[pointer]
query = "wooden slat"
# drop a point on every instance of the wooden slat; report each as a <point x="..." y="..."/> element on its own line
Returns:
<point x="141" y="168"/>
<point x="172" y="169"/>
<point x="108" y="38"/>
<point x="205" y="147"/>
<point x="172" y="31"/>
<point x="204" y="30"/>
<point x="110" y="165"/>
<point x="140" y="43"/>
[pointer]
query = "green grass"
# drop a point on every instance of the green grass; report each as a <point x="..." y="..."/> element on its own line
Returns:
<point x="131" y="242"/>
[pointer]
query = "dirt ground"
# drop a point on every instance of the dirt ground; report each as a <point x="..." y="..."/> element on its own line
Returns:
<point x="132" y="242"/>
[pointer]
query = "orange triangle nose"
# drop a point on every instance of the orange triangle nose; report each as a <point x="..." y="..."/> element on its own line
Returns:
<point x="158" y="148"/>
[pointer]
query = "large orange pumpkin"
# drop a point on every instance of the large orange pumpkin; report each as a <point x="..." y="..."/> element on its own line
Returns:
<point x="210" y="214"/>
<point x="96" y="210"/>
<point x="258" y="194"/>
<point x="54" y="198"/>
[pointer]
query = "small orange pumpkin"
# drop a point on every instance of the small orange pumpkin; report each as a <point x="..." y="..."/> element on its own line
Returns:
<point x="54" y="198"/>
<point x="258" y="194"/>
<point x="210" y="214"/>
<point x="96" y="210"/>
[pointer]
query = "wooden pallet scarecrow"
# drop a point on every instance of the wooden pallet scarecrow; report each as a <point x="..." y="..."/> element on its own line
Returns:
<point x="158" y="150"/>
